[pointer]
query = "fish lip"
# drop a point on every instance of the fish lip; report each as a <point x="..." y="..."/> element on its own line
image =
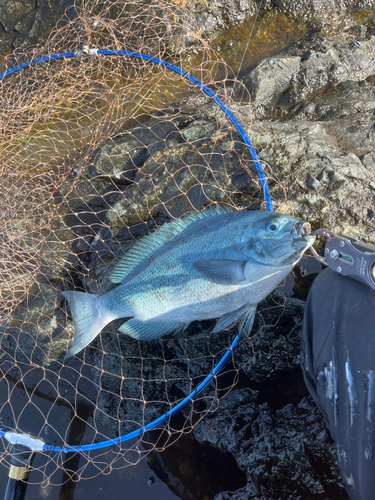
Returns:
<point x="301" y="231"/>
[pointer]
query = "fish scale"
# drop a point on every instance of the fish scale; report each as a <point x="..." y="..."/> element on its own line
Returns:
<point x="215" y="264"/>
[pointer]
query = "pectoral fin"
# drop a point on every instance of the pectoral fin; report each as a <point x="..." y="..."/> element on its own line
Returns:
<point x="149" y="330"/>
<point x="222" y="271"/>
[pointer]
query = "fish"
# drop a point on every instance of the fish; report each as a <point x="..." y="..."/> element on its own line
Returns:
<point x="218" y="263"/>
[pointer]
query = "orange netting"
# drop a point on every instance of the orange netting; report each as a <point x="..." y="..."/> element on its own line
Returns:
<point x="96" y="152"/>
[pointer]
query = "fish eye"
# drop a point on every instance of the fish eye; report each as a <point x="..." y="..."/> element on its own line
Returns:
<point x="272" y="227"/>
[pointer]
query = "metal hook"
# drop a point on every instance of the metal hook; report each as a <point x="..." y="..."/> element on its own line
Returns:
<point x="329" y="235"/>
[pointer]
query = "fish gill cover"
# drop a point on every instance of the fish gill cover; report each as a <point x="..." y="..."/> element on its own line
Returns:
<point x="95" y="153"/>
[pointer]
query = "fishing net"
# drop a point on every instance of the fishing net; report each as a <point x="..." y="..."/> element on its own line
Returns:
<point x="97" y="150"/>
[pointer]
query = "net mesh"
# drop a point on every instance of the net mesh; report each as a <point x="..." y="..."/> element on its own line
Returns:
<point x="95" y="153"/>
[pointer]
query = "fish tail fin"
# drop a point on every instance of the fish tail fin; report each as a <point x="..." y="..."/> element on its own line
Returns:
<point x="88" y="321"/>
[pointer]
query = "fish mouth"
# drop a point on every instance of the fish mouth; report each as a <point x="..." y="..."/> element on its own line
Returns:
<point x="302" y="231"/>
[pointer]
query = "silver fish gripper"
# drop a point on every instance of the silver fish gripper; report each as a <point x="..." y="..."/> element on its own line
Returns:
<point x="348" y="256"/>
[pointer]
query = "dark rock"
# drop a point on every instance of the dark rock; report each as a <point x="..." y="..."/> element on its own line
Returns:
<point x="154" y="375"/>
<point x="312" y="182"/>
<point x="28" y="22"/>
<point x="285" y="453"/>
<point x="119" y="159"/>
<point x="189" y="466"/>
<point x="99" y="179"/>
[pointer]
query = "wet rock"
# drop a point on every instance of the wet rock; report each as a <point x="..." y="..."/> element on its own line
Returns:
<point x="24" y="23"/>
<point x="188" y="467"/>
<point x="280" y="84"/>
<point x="337" y="14"/>
<point x="154" y="375"/>
<point x="157" y="375"/>
<point x="175" y="180"/>
<point x="273" y="350"/>
<point x="38" y="332"/>
<point x="286" y="453"/>
<point x="114" y="165"/>
<point x="119" y="159"/>
<point x="217" y="14"/>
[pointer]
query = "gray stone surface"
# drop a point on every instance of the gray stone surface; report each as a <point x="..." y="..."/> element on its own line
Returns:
<point x="320" y="156"/>
<point x="337" y="14"/>
<point x="174" y="180"/>
<point x="280" y="85"/>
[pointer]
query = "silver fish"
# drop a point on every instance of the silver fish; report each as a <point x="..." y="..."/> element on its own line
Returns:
<point x="214" y="264"/>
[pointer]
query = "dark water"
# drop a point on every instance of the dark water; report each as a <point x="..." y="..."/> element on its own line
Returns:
<point x="186" y="470"/>
<point x="131" y="483"/>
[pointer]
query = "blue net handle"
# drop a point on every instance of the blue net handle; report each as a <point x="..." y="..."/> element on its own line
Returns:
<point x="268" y="203"/>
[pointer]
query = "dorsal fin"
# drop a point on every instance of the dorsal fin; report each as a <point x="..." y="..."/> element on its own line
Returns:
<point x="148" y="244"/>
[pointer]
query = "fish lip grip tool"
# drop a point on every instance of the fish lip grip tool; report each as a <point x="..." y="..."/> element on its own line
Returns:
<point x="348" y="256"/>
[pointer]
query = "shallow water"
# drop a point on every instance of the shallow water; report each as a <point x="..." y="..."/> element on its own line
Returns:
<point x="271" y="33"/>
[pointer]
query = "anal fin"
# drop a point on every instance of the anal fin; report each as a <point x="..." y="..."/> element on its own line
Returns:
<point x="246" y="323"/>
<point x="149" y="330"/>
<point x="228" y="319"/>
<point x="245" y="315"/>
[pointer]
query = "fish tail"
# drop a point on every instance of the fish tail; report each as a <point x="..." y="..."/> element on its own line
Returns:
<point x="87" y="319"/>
